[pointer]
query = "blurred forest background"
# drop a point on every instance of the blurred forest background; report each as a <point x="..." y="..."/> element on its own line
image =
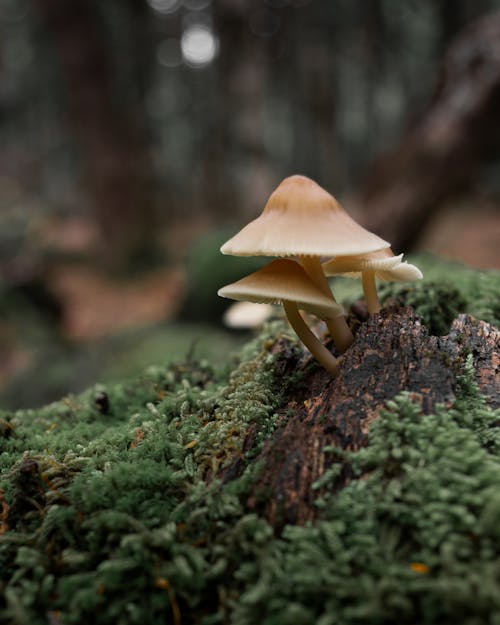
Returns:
<point x="137" y="135"/>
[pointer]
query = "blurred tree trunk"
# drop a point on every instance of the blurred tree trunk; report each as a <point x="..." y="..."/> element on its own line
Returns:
<point x="441" y="155"/>
<point x="309" y="68"/>
<point x="109" y="130"/>
<point x="236" y="142"/>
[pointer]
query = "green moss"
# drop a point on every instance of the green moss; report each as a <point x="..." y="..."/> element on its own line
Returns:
<point x="415" y="540"/>
<point x="109" y="509"/>
<point x="438" y="303"/>
<point x="480" y="288"/>
<point x="447" y="290"/>
<point x="116" y="516"/>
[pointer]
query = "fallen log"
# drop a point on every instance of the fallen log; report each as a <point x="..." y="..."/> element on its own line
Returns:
<point x="392" y="352"/>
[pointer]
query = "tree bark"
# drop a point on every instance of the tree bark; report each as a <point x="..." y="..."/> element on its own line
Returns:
<point x="442" y="153"/>
<point x="392" y="352"/>
<point x="108" y="130"/>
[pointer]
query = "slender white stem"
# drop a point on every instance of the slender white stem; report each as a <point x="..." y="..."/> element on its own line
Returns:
<point x="317" y="349"/>
<point x="338" y="328"/>
<point x="370" y="291"/>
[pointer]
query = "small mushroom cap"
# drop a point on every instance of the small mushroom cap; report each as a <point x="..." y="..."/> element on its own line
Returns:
<point x="386" y="266"/>
<point x="404" y="272"/>
<point x="283" y="280"/>
<point x="247" y="315"/>
<point x="302" y="219"/>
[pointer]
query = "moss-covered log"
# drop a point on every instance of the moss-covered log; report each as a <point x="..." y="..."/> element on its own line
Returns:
<point x="393" y="352"/>
<point x="266" y="492"/>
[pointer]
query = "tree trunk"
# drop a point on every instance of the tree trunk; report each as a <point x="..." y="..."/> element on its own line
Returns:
<point x="108" y="130"/>
<point x="443" y="152"/>
<point x="235" y="141"/>
<point x="392" y="352"/>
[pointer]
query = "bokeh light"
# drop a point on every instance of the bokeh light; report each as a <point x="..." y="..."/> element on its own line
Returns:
<point x="164" y="7"/>
<point x="199" y="45"/>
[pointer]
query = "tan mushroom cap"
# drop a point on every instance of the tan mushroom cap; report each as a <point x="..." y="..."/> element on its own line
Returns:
<point x="383" y="262"/>
<point x="302" y="219"/>
<point x="279" y="281"/>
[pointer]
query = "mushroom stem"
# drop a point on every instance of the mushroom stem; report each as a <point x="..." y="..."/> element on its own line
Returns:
<point x="317" y="349"/>
<point x="370" y="291"/>
<point x="338" y="328"/>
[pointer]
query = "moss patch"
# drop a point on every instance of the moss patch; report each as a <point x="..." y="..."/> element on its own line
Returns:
<point x="107" y="498"/>
<point x="110" y="509"/>
<point x="448" y="289"/>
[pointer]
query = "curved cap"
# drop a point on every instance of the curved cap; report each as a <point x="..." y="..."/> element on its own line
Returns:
<point x="302" y="219"/>
<point x="283" y="280"/>
<point x="385" y="265"/>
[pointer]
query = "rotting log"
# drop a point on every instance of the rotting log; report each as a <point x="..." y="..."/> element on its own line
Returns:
<point x="441" y="154"/>
<point x="392" y="352"/>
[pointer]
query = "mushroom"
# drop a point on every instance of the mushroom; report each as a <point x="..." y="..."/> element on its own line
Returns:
<point x="285" y="281"/>
<point x="304" y="221"/>
<point x="381" y="264"/>
<point x="247" y="315"/>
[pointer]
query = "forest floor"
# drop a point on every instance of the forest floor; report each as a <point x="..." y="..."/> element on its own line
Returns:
<point x="156" y="500"/>
<point x="65" y="323"/>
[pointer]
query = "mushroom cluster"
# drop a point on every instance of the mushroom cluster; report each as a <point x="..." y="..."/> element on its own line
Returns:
<point x="314" y="237"/>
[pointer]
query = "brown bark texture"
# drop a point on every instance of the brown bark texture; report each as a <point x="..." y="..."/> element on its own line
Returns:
<point x="392" y="352"/>
<point x="441" y="154"/>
